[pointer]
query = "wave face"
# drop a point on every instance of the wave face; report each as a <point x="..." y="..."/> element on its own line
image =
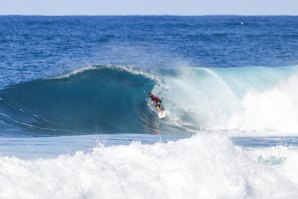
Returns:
<point x="96" y="100"/>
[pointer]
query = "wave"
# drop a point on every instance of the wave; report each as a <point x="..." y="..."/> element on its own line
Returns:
<point x="110" y="99"/>
<point x="96" y="99"/>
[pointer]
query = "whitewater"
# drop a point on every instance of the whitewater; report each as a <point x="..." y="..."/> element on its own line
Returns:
<point x="74" y="120"/>
<point x="204" y="166"/>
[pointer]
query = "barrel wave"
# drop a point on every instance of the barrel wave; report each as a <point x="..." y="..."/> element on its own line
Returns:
<point x="109" y="99"/>
<point x="94" y="100"/>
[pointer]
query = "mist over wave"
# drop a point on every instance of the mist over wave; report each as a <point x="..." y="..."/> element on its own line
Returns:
<point x="259" y="99"/>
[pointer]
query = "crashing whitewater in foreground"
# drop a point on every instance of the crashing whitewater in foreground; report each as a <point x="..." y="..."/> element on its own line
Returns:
<point x="201" y="100"/>
<point x="203" y="166"/>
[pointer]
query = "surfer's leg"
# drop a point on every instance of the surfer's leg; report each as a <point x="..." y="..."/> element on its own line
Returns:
<point x="158" y="106"/>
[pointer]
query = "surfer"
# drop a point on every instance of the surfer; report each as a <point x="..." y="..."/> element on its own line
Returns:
<point x="156" y="100"/>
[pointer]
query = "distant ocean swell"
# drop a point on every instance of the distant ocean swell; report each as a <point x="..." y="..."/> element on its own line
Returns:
<point x="112" y="99"/>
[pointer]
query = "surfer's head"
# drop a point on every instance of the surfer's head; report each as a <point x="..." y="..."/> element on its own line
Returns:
<point x="149" y="93"/>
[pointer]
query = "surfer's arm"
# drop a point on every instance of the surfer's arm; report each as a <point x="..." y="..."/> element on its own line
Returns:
<point x="149" y="104"/>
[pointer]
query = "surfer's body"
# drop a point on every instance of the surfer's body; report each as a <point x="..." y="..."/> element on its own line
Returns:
<point x="155" y="100"/>
<point x="160" y="111"/>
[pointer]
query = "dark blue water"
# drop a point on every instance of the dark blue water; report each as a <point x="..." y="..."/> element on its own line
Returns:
<point x="130" y="56"/>
<point x="35" y="47"/>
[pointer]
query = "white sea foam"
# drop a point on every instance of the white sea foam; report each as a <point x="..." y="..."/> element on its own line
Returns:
<point x="203" y="166"/>
<point x="234" y="99"/>
<point x="273" y="109"/>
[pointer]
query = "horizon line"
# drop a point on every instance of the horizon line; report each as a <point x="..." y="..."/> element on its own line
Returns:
<point x="148" y="15"/>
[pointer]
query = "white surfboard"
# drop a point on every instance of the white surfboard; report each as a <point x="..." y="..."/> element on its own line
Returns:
<point x="162" y="114"/>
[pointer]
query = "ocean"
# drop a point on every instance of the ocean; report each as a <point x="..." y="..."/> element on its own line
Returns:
<point x="74" y="120"/>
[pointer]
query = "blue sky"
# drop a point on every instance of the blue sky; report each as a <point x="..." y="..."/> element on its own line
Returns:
<point x="149" y="7"/>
